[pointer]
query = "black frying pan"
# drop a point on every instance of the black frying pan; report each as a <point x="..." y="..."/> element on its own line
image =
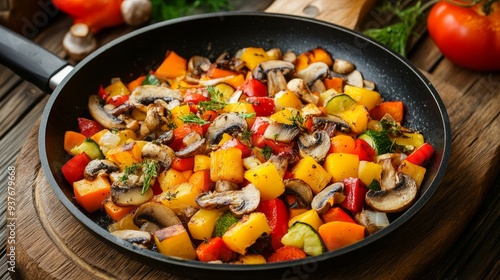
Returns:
<point x="140" y="51"/>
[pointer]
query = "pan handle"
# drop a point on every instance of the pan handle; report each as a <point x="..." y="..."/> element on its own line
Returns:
<point x="30" y="61"/>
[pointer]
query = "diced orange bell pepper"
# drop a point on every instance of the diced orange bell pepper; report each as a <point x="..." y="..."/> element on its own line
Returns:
<point x="393" y="108"/>
<point x="72" y="139"/>
<point x="117" y="212"/>
<point x="92" y="194"/>
<point x="172" y="67"/>
<point x="338" y="234"/>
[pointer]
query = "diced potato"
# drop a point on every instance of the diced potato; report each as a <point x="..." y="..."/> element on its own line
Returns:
<point x="415" y="171"/>
<point x="363" y="96"/>
<point x="202" y="223"/>
<point x="369" y="171"/>
<point x="267" y="179"/>
<point x="201" y="162"/>
<point x="342" y="165"/>
<point x="170" y="179"/>
<point x="309" y="217"/>
<point x="227" y="165"/>
<point x="244" y="233"/>
<point x="357" y="117"/>
<point x="182" y="197"/>
<point x="252" y="259"/>
<point x="174" y="241"/>
<point x="312" y="173"/>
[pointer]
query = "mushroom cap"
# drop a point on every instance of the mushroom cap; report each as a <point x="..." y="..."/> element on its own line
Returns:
<point x="316" y="145"/>
<point x="260" y="71"/>
<point x="240" y="202"/>
<point x="159" y="152"/>
<point x="315" y="71"/>
<point x="342" y="66"/>
<point x="281" y="132"/>
<point x="331" y="122"/>
<point x="147" y="94"/>
<point x="99" y="166"/>
<point x="229" y="123"/>
<point x="301" y="190"/>
<point x="394" y="200"/>
<point x="129" y="193"/>
<point x="156" y="213"/>
<point x="321" y="201"/>
<point x="300" y="88"/>
<point x="100" y="115"/>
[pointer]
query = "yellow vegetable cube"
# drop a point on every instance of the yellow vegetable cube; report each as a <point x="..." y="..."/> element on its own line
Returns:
<point x="284" y="116"/>
<point x="312" y="173"/>
<point x="178" y="112"/>
<point x="116" y="89"/>
<point x="293" y="212"/>
<point x="253" y="56"/>
<point x="309" y="217"/>
<point x="415" y="171"/>
<point x="244" y="233"/>
<point x="202" y="223"/>
<point x="174" y="241"/>
<point x="342" y="165"/>
<point x="227" y="165"/>
<point x="170" y="179"/>
<point x="363" y="96"/>
<point x="287" y="99"/>
<point x="357" y="117"/>
<point x="410" y="139"/>
<point x="267" y="179"/>
<point x="182" y="197"/>
<point x="126" y="154"/>
<point x="252" y="259"/>
<point x="201" y="162"/>
<point x="369" y="171"/>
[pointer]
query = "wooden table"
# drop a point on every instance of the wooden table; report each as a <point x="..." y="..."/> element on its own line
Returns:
<point x="460" y="233"/>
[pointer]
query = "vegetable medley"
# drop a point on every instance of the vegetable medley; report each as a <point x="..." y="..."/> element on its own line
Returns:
<point x="253" y="157"/>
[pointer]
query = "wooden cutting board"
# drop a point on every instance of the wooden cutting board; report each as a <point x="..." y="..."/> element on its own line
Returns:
<point x="50" y="243"/>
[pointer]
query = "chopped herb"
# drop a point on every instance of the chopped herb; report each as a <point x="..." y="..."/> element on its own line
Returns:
<point x="193" y="118"/>
<point x="169" y="195"/>
<point x="298" y="120"/>
<point x="215" y="103"/>
<point x="130" y="170"/>
<point x="245" y="135"/>
<point x="266" y="152"/>
<point x="390" y="127"/>
<point x="374" y="185"/>
<point x="150" y="170"/>
<point x="246" y="115"/>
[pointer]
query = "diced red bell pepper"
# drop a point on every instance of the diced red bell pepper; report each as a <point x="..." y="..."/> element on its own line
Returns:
<point x="102" y="93"/>
<point x="157" y="188"/>
<point x="363" y="150"/>
<point x="263" y="106"/>
<point x="355" y="192"/>
<point x="183" y="164"/>
<point x="235" y="143"/>
<point x="277" y="218"/>
<point x="214" y="249"/>
<point x="181" y="132"/>
<point x="421" y="155"/>
<point x="257" y="132"/>
<point x="282" y="149"/>
<point x="89" y="127"/>
<point x="195" y="97"/>
<point x="336" y="214"/>
<point x="253" y="87"/>
<point x="73" y="169"/>
<point x="118" y="100"/>
<point x="286" y="253"/>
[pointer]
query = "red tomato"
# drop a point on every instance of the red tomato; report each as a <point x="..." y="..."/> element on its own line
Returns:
<point x="263" y="106"/>
<point x="467" y="36"/>
<point x="89" y="127"/>
<point x="73" y="169"/>
<point x="254" y="87"/>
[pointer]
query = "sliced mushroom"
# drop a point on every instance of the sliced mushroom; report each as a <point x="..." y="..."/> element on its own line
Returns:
<point x="388" y="176"/>
<point x="355" y="79"/>
<point x="118" y="110"/>
<point x="342" y="66"/>
<point x="100" y="115"/>
<point x="330" y="123"/>
<point x="396" y="199"/>
<point x="154" y="115"/>
<point x="195" y="148"/>
<point x="316" y="145"/>
<point x="301" y="190"/>
<point x="275" y="53"/>
<point x="147" y="94"/>
<point x="198" y="65"/>
<point x="229" y="123"/>
<point x="224" y="186"/>
<point x="281" y="163"/>
<point x="373" y="221"/>
<point x="281" y="132"/>
<point x="240" y="202"/>
<point x="314" y="72"/>
<point x="159" y="152"/>
<point x="129" y="192"/>
<point x="166" y="137"/>
<point x="99" y="166"/>
<point x="321" y="201"/>
<point x="155" y="213"/>
<point x="290" y="56"/>
<point x="368" y="84"/>
<point x="300" y="88"/>
<point x="274" y="72"/>
<point x="140" y="238"/>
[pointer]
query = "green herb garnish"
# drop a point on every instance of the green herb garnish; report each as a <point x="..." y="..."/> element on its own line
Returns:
<point x="150" y="170"/>
<point x="168" y="9"/>
<point x="374" y="185"/>
<point x="193" y="118"/>
<point x="215" y="103"/>
<point x="266" y="152"/>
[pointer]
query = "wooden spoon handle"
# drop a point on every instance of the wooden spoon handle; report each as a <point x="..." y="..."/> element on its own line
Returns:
<point x="346" y="13"/>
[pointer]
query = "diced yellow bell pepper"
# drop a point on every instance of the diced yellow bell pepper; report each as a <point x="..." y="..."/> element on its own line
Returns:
<point x="363" y="96"/>
<point x="201" y="162"/>
<point x="357" y="117"/>
<point x="182" y="197"/>
<point x="241" y="108"/>
<point x="178" y="112"/>
<point x="244" y="233"/>
<point x="285" y="116"/>
<point x="116" y="89"/>
<point x="226" y="165"/>
<point x="267" y="179"/>
<point x="225" y="137"/>
<point x="170" y="179"/>
<point x="252" y="259"/>
<point x="174" y="241"/>
<point x="202" y="223"/>
<point x="415" y="171"/>
<point x="342" y="165"/>
<point x="126" y="154"/>
<point x="312" y="173"/>
<point x="226" y="91"/>
<point x="369" y="171"/>
<point x="309" y="217"/>
<point x="287" y="99"/>
<point x="253" y="56"/>
<point x="126" y="222"/>
<point x="410" y="139"/>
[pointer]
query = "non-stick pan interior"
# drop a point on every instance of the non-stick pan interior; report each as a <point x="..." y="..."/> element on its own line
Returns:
<point x="209" y="35"/>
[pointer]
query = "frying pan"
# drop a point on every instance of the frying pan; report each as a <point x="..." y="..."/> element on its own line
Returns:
<point x="211" y="34"/>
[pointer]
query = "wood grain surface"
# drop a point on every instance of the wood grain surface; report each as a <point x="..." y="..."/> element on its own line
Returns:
<point x="455" y="236"/>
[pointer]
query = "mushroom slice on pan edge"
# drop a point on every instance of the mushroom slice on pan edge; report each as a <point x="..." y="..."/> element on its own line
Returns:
<point x="321" y="201"/>
<point x="139" y="238"/>
<point x="240" y="202"/>
<point x="100" y="115"/>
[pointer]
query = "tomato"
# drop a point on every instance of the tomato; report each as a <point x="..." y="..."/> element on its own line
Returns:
<point x="89" y="127"/>
<point x="263" y="106"/>
<point x="254" y="87"/>
<point x="466" y="36"/>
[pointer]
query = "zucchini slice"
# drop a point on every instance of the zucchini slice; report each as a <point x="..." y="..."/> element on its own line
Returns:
<point x="339" y="103"/>
<point x="378" y="140"/>
<point x="305" y="237"/>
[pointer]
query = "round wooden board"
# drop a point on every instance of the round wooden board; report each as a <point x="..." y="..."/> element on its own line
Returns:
<point x="51" y="243"/>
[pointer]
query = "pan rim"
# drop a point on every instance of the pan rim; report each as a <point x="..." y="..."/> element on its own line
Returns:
<point x="161" y="259"/>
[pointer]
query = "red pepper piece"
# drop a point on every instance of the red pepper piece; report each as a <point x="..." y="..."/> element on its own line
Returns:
<point x="336" y="214"/>
<point x="355" y="192"/>
<point x="183" y="164"/>
<point x="89" y="127"/>
<point x="253" y="87"/>
<point x="286" y="253"/>
<point x="102" y="93"/>
<point x="282" y="149"/>
<point x="118" y="100"/>
<point x="214" y="249"/>
<point x="363" y="150"/>
<point x="235" y="143"/>
<point x="421" y="155"/>
<point x="73" y="169"/>
<point x="182" y="131"/>
<point x="277" y="218"/>
<point x="263" y="106"/>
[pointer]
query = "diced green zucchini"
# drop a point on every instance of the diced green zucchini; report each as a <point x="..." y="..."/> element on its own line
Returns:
<point x="378" y="140"/>
<point x="305" y="237"/>
<point x="90" y="147"/>
<point x="223" y="223"/>
<point x="339" y="103"/>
